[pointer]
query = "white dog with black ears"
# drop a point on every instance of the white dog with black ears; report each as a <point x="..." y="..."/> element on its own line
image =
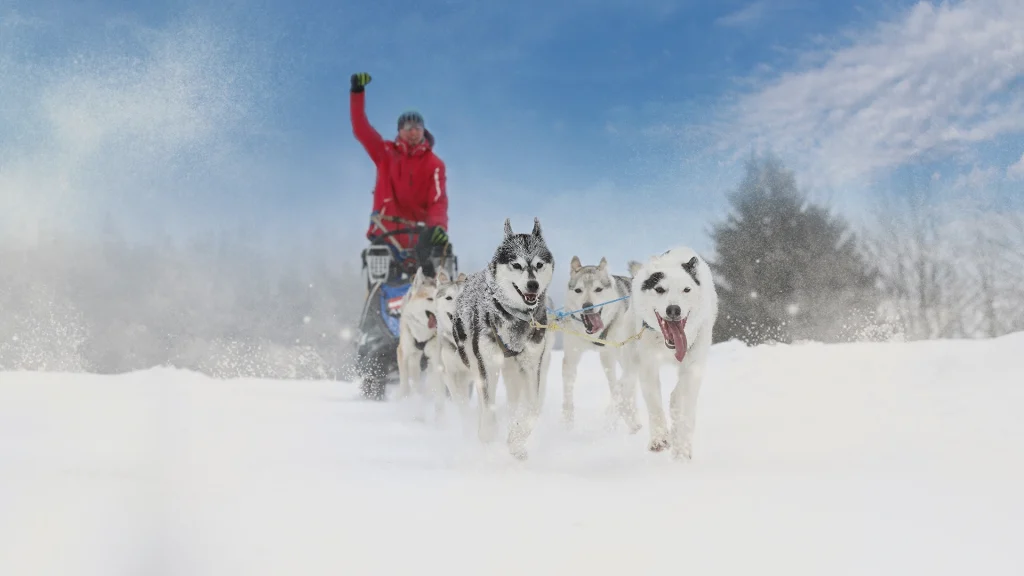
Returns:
<point x="675" y="302"/>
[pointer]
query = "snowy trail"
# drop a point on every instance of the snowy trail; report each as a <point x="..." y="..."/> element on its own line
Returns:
<point x="853" y="459"/>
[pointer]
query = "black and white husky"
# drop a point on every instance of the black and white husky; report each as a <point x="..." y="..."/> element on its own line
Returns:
<point x="602" y="300"/>
<point x="453" y="375"/>
<point x="675" y="301"/>
<point x="496" y="328"/>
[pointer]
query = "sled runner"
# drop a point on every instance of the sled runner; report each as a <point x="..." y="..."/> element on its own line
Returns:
<point x="388" y="269"/>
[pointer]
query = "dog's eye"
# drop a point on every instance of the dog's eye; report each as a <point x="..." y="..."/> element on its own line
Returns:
<point x="598" y="289"/>
<point x="447" y="297"/>
<point x="687" y="289"/>
<point x="579" y="290"/>
<point x="517" y="266"/>
<point x="539" y="265"/>
<point x="430" y="299"/>
<point x="659" y="290"/>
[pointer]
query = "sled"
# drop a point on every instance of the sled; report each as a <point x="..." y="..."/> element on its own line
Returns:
<point x="388" y="270"/>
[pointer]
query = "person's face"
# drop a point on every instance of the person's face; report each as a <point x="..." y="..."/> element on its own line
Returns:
<point x="411" y="133"/>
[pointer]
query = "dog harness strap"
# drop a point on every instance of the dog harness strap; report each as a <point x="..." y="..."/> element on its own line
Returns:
<point x="501" y="344"/>
<point x="421" y="345"/>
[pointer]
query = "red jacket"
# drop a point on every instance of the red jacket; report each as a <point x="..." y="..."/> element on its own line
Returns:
<point x="410" y="182"/>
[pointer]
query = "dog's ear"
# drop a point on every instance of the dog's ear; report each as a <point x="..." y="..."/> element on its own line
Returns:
<point x="576" y="264"/>
<point x="536" y="227"/>
<point x="603" y="264"/>
<point x="442" y="277"/>
<point x="462" y="277"/>
<point x="417" y="278"/>
<point x="508" y="227"/>
<point x="691" y="269"/>
<point x="634" y="267"/>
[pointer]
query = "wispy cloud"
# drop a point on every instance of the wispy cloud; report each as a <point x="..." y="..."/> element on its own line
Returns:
<point x="977" y="179"/>
<point x="934" y="82"/>
<point x="1015" y="171"/>
<point x="750" y="14"/>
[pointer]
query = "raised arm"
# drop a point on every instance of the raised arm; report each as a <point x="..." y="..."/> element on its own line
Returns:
<point x="361" y="128"/>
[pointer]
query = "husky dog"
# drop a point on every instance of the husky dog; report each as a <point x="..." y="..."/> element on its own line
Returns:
<point x="500" y="328"/>
<point x="610" y="320"/>
<point x="675" y="301"/>
<point x="452" y="373"/>
<point x="417" y="333"/>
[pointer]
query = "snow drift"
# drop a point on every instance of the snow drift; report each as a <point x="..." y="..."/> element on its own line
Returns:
<point x="898" y="458"/>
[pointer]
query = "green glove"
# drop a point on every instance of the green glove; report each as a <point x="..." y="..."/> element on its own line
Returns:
<point x="439" y="237"/>
<point x="360" y="80"/>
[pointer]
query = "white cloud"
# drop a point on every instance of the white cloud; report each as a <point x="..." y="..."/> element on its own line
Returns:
<point x="932" y="83"/>
<point x="977" y="179"/>
<point x="749" y="14"/>
<point x="1015" y="171"/>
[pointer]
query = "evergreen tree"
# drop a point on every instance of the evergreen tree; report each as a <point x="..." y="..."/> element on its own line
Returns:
<point x="785" y="268"/>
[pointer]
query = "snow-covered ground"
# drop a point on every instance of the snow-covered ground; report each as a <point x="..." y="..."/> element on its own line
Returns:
<point x="854" y="459"/>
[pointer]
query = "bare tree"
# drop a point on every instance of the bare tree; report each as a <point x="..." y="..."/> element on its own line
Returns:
<point x="996" y="256"/>
<point x="948" y="269"/>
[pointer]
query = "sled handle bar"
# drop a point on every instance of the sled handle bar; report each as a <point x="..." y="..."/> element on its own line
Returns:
<point x="398" y="220"/>
<point x="378" y="239"/>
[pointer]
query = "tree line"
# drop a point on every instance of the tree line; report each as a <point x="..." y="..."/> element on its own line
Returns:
<point x="788" y="270"/>
<point x="920" y="268"/>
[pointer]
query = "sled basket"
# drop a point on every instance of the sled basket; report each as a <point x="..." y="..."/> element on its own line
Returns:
<point x="378" y="263"/>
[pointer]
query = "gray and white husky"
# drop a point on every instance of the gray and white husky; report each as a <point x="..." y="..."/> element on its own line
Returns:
<point x="602" y="300"/>
<point x="675" y="301"/>
<point x="495" y="332"/>
<point x="452" y="373"/>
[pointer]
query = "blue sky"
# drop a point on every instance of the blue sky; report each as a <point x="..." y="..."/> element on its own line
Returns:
<point x="621" y="123"/>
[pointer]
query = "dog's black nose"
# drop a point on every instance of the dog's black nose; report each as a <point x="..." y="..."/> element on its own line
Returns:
<point x="673" y="313"/>
<point x="532" y="286"/>
<point x="587" y="305"/>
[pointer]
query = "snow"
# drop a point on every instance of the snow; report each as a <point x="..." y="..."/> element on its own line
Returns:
<point x="892" y="458"/>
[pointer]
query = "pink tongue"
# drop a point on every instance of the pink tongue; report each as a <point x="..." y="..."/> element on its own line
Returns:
<point x="595" y="322"/>
<point x="431" y="321"/>
<point x="673" y="331"/>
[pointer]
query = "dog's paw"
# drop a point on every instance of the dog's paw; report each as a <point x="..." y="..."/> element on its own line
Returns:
<point x="658" y="445"/>
<point x="633" y="427"/>
<point x="682" y="454"/>
<point x="568" y="418"/>
<point x="519" y="453"/>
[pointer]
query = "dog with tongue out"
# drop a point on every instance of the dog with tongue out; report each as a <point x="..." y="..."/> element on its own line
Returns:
<point x="601" y="315"/>
<point x="676" y="306"/>
<point x="417" y="335"/>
